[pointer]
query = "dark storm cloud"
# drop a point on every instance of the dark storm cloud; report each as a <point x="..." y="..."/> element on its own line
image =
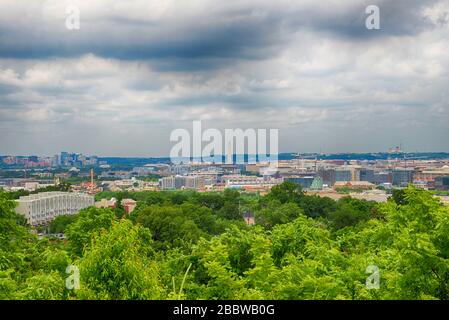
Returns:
<point x="117" y="38"/>
<point x="398" y="18"/>
<point x="206" y="40"/>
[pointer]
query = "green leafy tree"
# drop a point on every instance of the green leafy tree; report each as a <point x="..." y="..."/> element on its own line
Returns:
<point x="349" y="212"/>
<point x="118" y="265"/>
<point x="286" y="192"/>
<point x="169" y="226"/>
<point x="212" y="200"/>
<point x="48" y="286"/>
<point x="12" y="234"/>
<point x="89" y="221"/>
<point x="8" y="285"/>
<point x="315" y="206"/>
<point x="231" y="205"/>
<point x="60" y="223"/>
<point x="420" y="227"/>
<point x="276" y="213"/>
<point x="399" y="196"/>
<point x="56" y="260"/>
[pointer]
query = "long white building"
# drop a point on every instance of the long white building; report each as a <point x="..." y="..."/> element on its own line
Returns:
<point x="43" y="207"/>
<point x="182" y="182"/>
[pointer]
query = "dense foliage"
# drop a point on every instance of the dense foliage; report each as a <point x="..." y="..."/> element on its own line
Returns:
<point x="189" y="245"/>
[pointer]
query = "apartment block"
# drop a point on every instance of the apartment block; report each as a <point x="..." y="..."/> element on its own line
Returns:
<point x="41" y="208"/>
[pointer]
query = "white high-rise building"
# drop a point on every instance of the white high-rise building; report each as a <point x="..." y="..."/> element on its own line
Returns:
<point x="41" y="208"/>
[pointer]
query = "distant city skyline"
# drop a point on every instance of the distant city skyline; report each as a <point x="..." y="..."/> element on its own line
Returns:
<point x="137" y="70"/>
<point x="124" y="155"/>
<point x="292" y="155"/>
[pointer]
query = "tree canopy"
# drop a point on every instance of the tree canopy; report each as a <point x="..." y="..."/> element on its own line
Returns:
<point x="187" y="245"/>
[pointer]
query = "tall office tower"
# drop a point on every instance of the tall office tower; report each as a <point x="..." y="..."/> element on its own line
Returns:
<point x="63" y="158"/>
<point x="55" y="161"/>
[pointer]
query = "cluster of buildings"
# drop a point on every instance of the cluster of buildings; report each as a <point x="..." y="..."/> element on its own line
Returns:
<point x="131" y="184"/>
<point x="362" y="179"/>
<point x="128" y="204"/>
<point x="64" y="159"/>
<point x="313" y="174"/>
<point x="366" y="179"/>
<point x="430" y="174"/>
<point x="15" y="184"/>
<point x="29" y="161"/>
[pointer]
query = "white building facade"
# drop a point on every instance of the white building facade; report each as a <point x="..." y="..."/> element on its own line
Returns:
<point x="182" y="182"/>
<point x="41" y="208"/>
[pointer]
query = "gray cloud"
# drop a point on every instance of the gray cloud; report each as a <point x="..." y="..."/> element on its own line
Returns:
<point x="133" y="72"/>
<point x="250" y="30"/>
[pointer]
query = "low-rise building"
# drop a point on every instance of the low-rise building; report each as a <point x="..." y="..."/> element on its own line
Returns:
<point x="371" y="195"/>
<point x="41" y="208"/>
<point x="363" y="185"/>
<point x="304" y="181"/>
<point x="129" y="205"/>
<point x="105" y="203"/>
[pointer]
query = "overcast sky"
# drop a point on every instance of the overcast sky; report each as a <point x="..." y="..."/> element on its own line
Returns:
<point x="137" y="69"/>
